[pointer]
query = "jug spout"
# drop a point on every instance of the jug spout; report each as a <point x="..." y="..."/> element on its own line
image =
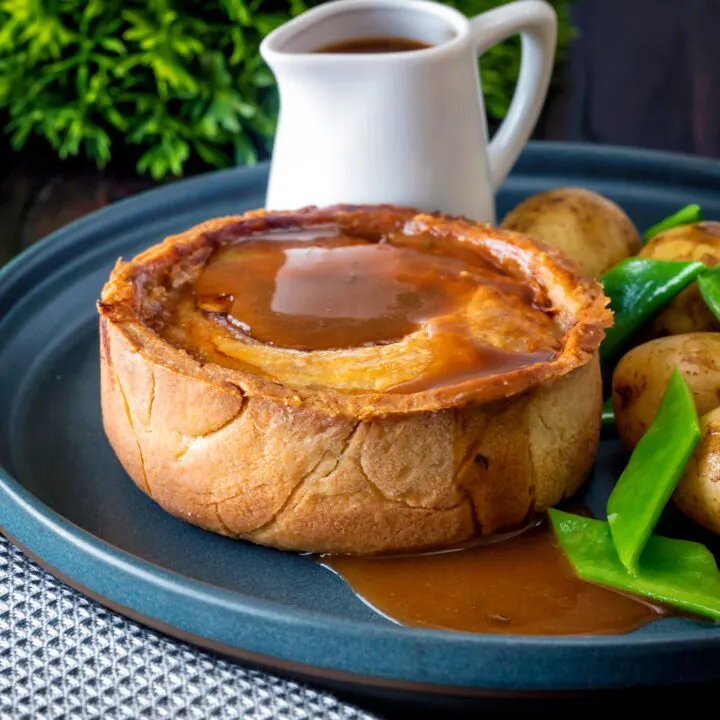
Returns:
<point x="308" y="71"/>
<point x="341" y="21"/>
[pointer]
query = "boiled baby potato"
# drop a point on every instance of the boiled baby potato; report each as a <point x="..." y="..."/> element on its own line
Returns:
<point x="698" y="493"/>
<point x="642" y="375"/>
<point x="687" y="312"/>
<point x="590" y="229"/>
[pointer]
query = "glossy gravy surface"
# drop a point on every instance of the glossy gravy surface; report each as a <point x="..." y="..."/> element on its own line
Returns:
<point x="373" y="45"/>
<point x="523" y="585"/>
<point x="337" y="292"/>
<point x="323" y="290"/>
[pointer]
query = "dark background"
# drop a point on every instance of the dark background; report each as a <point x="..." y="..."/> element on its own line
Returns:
<point x="642" y="73"/>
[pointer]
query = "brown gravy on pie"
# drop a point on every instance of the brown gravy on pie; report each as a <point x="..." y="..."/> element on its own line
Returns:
<point x="323" y="290"/>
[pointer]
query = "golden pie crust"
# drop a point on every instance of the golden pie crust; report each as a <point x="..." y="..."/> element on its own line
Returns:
<point x="310" y="461"/>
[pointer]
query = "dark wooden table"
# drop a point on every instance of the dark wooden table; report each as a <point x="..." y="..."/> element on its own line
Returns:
<point x="644" y="73"/>
<point x="640" y="72"/>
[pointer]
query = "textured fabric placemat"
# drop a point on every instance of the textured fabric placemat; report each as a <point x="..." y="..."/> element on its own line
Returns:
<point x="65" y="656"/>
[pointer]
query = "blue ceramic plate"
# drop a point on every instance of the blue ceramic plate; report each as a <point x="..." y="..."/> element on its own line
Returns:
<point x="66" y="500"/>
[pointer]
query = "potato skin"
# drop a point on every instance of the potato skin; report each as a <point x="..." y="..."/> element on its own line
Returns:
<point x="698" y="493"/>
<point x="590" y="229"/>
<point x="642" y="375"/>
<point x="687" y="312"/>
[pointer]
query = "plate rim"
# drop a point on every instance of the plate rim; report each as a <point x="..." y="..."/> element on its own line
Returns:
<point x="31" y="515"/>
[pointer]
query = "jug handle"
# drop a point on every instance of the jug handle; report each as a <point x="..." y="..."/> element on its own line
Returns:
<point x="536" y="22"/>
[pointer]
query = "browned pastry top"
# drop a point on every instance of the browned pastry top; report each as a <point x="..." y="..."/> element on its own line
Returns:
<point x="365" y="311"/>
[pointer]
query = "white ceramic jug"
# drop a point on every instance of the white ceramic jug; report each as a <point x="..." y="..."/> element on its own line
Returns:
<point x="407" y="127"/>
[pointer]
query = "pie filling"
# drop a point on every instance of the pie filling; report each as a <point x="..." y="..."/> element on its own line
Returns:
<point x="302" y="296"/>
